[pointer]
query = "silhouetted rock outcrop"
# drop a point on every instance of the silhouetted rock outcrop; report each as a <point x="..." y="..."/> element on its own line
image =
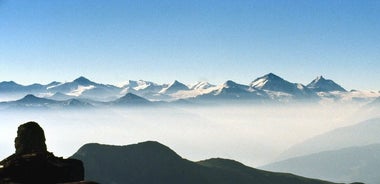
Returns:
<point x="32" y="163"/>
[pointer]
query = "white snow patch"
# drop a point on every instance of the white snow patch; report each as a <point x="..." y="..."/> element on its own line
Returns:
<point x="44" y="95"/>
<point x="53" y="86"/>
<point x="300" y="86"/>
<point x="142" y="85"/>
<point x="77" y="92"/>
<point x="123" y="84"/>
<point x="167" y="86"/>
<point x="259" y="83"/>
<point x="201" y="85"/>
<point x="183" y="94"/>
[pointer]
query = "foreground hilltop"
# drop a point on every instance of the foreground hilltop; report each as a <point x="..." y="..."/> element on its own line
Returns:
<point x="152" y="162"/>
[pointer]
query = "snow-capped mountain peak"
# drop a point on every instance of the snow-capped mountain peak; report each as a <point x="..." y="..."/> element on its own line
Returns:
<point x="231" y="86"/>
<point x="320" y="84"/>
<point x="262" y="82"/>
<point x="270" y="82"/>
<point x="269" y="86"/>
<point x="273" y="83"/>
<point x="174" y="87"/>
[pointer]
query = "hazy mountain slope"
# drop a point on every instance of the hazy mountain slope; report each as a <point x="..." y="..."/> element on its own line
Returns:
<point x="255" y="174"/>
<point x="152" y="162"/>
<point x="374" y="104"/>
<point x="10" y="86"/>
<point x="344" y="165"/>
<point x="363" y="133"/>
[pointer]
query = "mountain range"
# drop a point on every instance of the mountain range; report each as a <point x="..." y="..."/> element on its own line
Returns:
<point x="268" y="88"/>
<point x="151" y="162"/>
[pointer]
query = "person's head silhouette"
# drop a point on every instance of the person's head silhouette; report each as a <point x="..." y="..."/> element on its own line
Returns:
<point x="30" y="139"/>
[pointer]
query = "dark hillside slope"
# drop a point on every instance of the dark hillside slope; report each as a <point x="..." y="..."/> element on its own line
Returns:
<point x="152" y="162"/>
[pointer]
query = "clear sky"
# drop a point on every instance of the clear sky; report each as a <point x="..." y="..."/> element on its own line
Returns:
<point x="111" y="41"/>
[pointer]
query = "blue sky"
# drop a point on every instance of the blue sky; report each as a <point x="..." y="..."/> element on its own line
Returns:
<point x="159" y="40"/>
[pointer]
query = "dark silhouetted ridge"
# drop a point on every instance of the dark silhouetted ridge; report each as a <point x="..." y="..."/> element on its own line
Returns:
<point x="152" y="162"/>
<point x="31" y="99"/>
<point x="83" y="81"/>
<point x="130" y="99"/>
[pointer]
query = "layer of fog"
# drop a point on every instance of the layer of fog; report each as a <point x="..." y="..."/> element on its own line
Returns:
<point x="254" y="135"/>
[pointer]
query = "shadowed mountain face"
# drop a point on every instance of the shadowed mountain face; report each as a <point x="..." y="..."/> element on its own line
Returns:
<point x="31" y="99"/>
<point x="272" y="82"/>
<point x="131" y="99"/>
<point x="174" y="87"/>
<point x="84" y="81"/>
<point x="152" y="162"/>
<point x="321" y="84"/>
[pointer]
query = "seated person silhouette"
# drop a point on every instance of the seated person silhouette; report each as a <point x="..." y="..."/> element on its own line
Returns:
<point x="32" y="163"/>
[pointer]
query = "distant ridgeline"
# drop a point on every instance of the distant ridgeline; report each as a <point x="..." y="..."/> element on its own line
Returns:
<point x="83" y="93"/>
<point x="151" y="162"/>
<point x="344" y="154"/>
